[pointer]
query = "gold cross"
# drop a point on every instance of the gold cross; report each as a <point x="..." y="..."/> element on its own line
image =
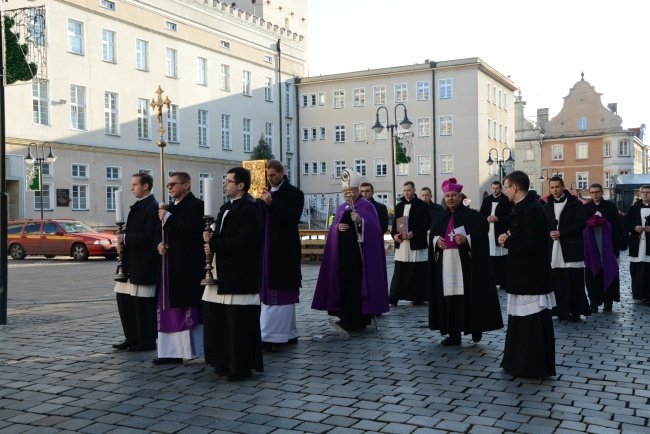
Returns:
<point x="157" y="104"/>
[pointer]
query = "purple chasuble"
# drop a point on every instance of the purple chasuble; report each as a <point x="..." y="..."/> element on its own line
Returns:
<point x="174" y="319"/>
<point x="273" y="296"/>
<point x="594" y="261"/>
<point x="374" y="283"/>
<point x="451" y="240"/>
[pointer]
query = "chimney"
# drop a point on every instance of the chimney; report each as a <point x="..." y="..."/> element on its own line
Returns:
<point x="613" y="107"/>
<point x="542" y="117"/>
<point x="642" y="132"/>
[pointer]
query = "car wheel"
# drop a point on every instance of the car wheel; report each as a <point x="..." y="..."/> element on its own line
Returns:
<point x="17" y="251"/>
<point x="79" y="252"/>
<point x="49" y="256"/>
<point x="110" y="257"/>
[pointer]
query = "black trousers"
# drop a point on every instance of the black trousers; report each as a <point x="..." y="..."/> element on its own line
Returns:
<point x="138" y="317"/>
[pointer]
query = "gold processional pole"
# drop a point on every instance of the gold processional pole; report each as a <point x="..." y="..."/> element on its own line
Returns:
<point x="157" y="104"/>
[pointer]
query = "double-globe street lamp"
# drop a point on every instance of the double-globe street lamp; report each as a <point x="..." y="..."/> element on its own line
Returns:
<point x="39" y="160"/>
<point x="500" y="161"/>
<point x="378" y="128"/>
<point x="554" y="172"/>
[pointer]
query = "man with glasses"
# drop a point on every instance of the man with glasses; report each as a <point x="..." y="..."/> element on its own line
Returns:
<point x="638" y="223"/>
<point x="180" y="324"/>
<point x="496" y="209"/>
<point x="368" y="192"/>
<point x="603" y="243"/>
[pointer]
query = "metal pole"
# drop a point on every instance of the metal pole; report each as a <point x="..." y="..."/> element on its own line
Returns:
<point x="4" y="212"/>
<point x="392" y="160"/>
<point x="40" y="175"/>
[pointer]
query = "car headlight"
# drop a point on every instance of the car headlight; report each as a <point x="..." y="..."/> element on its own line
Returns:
<point x="114" y="241"/>
<point x="102" y="242"/>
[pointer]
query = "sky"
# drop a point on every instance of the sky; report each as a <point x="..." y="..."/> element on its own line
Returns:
<point x="543" y="45"/>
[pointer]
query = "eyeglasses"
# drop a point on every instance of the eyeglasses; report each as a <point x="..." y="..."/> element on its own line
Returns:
<point x="505" y="187"/>
<point x="172" y="184"/>
<point x="228" y="181"/>
<point x="595" y="192"/>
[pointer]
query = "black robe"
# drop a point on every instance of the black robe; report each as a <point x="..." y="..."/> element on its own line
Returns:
<point x="479" y="306"/>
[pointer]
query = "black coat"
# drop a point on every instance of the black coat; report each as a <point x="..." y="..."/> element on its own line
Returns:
<point x="481" y="298"/>
<point x="419" y="222"/>
<point x="237" y="245"/>
<point x="502" y="212"/>
<point x="434" y="209"/>
<point x="529" y="262"/>
<point x="382" y="213"/>
<point x="610" y="212"/>
<point x="141" y="262"/>
<point x="284" y="239"/>
<point x="184" y="232"/>
<point x="633" y="219"/>
<point x="572" y="223"/>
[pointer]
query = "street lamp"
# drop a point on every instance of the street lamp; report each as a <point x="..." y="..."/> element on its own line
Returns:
<point x="39" y="160"/>
<point x="554" y="172"/>
<point x="500" y="161"/>
<point x="378" y="128"/>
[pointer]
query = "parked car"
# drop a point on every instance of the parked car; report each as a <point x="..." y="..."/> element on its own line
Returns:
<point x="58" y="237"/>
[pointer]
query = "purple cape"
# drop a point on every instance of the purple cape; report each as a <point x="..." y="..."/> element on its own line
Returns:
<point x="374" y="283"/>
<point x="593" y="260"/>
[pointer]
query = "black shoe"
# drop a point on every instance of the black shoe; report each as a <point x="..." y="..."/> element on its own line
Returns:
<point x="267" y="346"/>
<point x="220" y="371"/>
<point x="561" y="318"/>
<point x="594" y="308"/>
<point x="167" y="361"/>
<point x="239" y="377"/>
<point x="574" y="318"/>
<point x="476" y="337"/>
<point x="139" y="348"/>
<point x="393" y="301"/>
<point x="450" y="341"/>
<point x="417" y="303"/>
<point x="292" y="341"/>
<point x="608" y="307"/>
<point x="124" y="345"/>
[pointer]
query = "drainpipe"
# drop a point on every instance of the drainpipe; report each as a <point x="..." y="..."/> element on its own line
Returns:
<point x="280" y="126"/>
<point x="433" y="126"/>
<point x="297" y="135"/>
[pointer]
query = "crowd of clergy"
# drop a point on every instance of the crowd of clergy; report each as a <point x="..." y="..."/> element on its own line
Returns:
<point x="542" y="254"/>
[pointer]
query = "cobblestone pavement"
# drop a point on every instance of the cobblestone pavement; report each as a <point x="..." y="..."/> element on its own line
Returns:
<point x="58" y="372"/>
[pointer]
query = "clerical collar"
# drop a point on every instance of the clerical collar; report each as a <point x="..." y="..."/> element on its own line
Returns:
<point x="645" y="205"/>
<point x="143" y="198"/>
<point x="496" y="197"/>
<point x="561" y="199"/>
<point x="276" y="188"/>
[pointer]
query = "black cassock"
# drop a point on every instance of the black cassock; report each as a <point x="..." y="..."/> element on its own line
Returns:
<point x="478" y="309"/>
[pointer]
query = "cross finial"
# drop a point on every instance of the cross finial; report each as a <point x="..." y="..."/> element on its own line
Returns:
<point x="157" y="104"/>
<point x="582" y="76"/>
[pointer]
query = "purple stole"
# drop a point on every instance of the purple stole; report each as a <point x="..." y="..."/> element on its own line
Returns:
<point x="594" y="261"/>
<point x="450" y="240"/>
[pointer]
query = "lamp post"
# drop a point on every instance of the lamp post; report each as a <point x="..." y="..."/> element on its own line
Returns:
<point x="554" y="172"/>
<point x="378" y="128"/>
<point x="39" y="160"/>
<point x="500" y="161"/>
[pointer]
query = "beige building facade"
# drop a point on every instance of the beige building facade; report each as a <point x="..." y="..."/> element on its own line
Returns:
<point x="228" y="73"/>
<point x="460" y="110"/>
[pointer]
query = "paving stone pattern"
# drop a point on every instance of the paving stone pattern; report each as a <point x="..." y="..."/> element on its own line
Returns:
<point x="59" y="373"/>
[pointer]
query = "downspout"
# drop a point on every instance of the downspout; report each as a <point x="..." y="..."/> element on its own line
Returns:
<point x="435" y="129"/>
<point x="280" y="126"/>
<point x="297" y="135"/>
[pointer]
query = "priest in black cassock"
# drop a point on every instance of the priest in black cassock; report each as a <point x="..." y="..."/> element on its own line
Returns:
<point x="496" y="209"/>
<point x="463" y="296"/>
<point x="638" y="223"/>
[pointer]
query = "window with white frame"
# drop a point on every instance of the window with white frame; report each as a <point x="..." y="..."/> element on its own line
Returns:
<point x="339" y="99"/>
<point x="607" y="179"/>
<point x="359" y="97"/>
<point x="143" y="118"/>
<point x="623" y="172"/>
<point x="224" y="198"/>
<point x="494" y="95"/>
<point x="305" y="168"/>
<point x="225" y="77"/>
<point x="110" y="196"/>
<point x="203" y="176"/>
<point x="288" y="169"/>
<point x="268" y="89"/>
<point x="582" y="180"/>
<point x="40" y="102"/>
<point x="79" y="197"/>
<point x="401" y="92"/>
<point x="424" y="164"/>
<point x="557" y="152"/>
<point x="505" y="134"/>
<point x="171" y="63"/>
<point x="381" y="198"/>
<point x="171" y="26"/>
<point x="489" y="128"/>
<point x="422" y="90"/>
<point x="339" y="133"/>
<point x="47" y="198"/>
<point x="489" y="91"/>
<point x="47" y="170"/>
<point x="305" y="134"/>
<point x="141" y="55"/>
<point x="447" y="163"/>
<point x="224" y="44"/>
<point x="529" y="154"/>
<point x="322" y="133"/>
<point x="381" y="166"/>
<point x="248" y="130"/>
<point x="623" y="148"/>
<point x="360" y="132"/>
<point x="304" y="100"/>
<point x="381" y="136"/>
<point x="108" y="46"/>
<point x="226" y="129"/>
<point x="288" y="100"/>
<point x="323" y="167"/>
<point x="321" y="98"/>
<point x="446" y="125"/>
<point x="76" y="37"/>
<point x="361" y="167"/>
<point x="505" y="101"/>
<point x="531" y="180"/>
<point x="268" y="58"/>
<point x="314" y="133"/>
<point x="111" y="115"/>
<point x="402" y="169"/>
<point x="289" y="135"/>
<point x="379" y="93"/>
<point x="499" y="98"/>
<point x="202" y="71"/>
<point x="36" y="27"/>
<point x="202" y="127"/>
<point x="77" y="107"/>
<point x="494" y="130"/>
<point x="314" y="167"/>
<point x="500" y="133"/>
<point x="445" y="88"/>
<point x="246" y="83"/>
<point x="424" y="127"/>
<point x="80" y="171"/>
<point x="582" y="151"/>
<point x="582" y="124"/>
<point x="172" y="123"/>
<point x="339" y="165"/>
<point x="268" y="134"/>
<point x="607" y="149"/>
<point x="113" y="173"/>
<point x="312" y="99"/>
